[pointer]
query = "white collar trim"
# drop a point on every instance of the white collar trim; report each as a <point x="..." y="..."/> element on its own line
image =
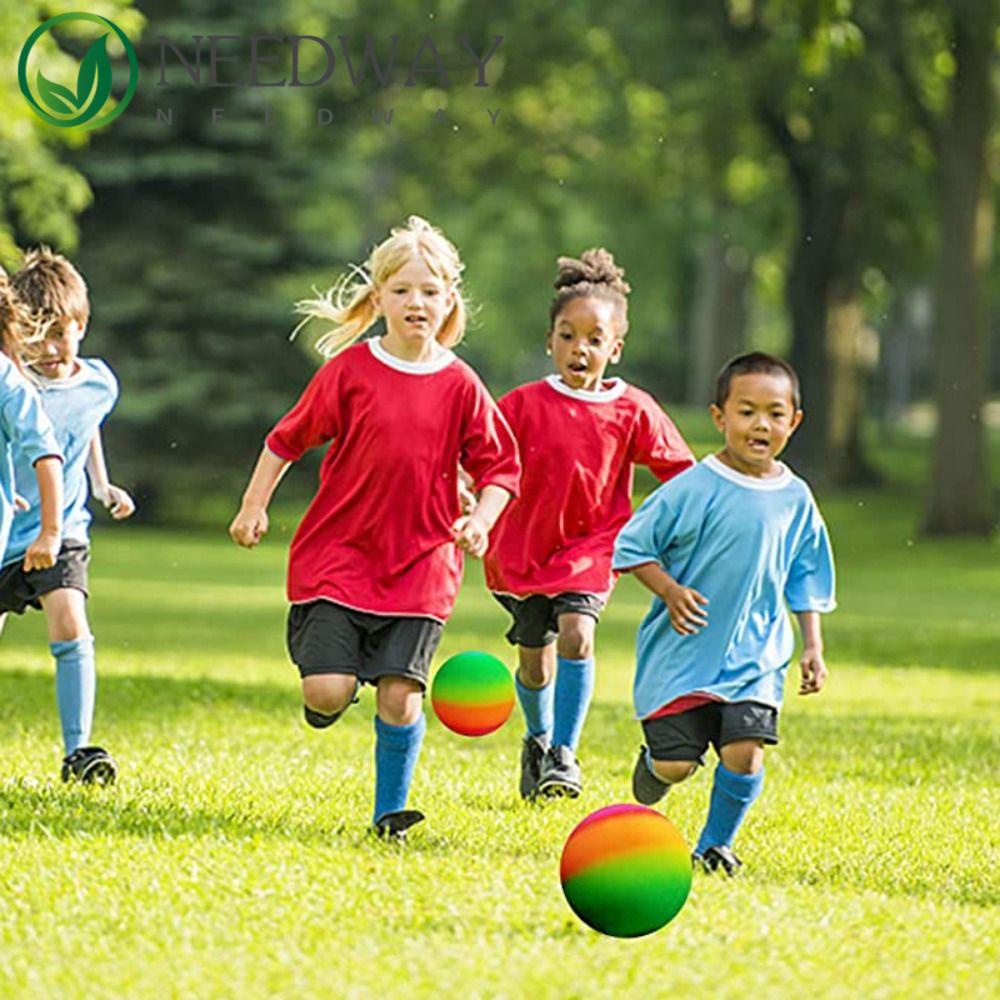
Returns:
<point x="783" y="478"/>
<point x="442" y="361"/>
<point x="613" y="391"/>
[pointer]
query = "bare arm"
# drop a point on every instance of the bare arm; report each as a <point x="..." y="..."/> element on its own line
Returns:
<point x="684" y="604"/>
<point x="117" y="500"/>
<point x="250" y="523"/>
<point x="43" y="550"/>
<point x="814" y="672"/>
<point x="97" y="470"/>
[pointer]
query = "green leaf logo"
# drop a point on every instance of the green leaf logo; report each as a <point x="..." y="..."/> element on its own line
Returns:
<point x="61" y="106"/>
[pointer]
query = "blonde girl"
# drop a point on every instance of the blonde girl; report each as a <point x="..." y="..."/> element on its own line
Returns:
<point x="376" y="563"/>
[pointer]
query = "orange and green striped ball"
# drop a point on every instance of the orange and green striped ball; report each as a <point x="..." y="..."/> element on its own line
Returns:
<point x="473" y="694"/>
<point x="626" y="871"/>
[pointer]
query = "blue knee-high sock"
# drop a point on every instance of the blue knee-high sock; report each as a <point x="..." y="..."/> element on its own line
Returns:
<point x="396" y="752"/>
<point x="536" y="703"/>
<point x="75" y="683"/>
<point x="732" y="795"/>
<point x="574" y="687"/>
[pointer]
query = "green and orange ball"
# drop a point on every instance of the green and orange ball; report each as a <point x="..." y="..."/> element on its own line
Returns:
<point x="473" y="694"/>
<point x="626" y="871"/>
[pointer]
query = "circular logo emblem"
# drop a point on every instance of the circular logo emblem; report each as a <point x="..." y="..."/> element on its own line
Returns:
<point x="82" y="105"/>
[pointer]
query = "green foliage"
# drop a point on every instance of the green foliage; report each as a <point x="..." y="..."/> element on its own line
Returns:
<point x="41" y="196"/>
<point x="232" y="857"/>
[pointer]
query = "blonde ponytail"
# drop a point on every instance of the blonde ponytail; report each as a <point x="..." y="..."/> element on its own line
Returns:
<point x="349" y="305"/>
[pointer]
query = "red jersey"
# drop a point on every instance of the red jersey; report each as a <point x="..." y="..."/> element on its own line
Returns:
<point x="578" y="449"/>
<point x="377" y="536"/>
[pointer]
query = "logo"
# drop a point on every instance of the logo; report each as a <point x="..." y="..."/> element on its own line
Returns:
<point x="82" y="106"/>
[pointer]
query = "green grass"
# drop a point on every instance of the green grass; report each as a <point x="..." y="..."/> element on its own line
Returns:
<point x="232" y="859"/>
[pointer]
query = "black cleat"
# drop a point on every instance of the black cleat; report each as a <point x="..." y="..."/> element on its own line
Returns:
<point x="715" y="858"/>
<point x="560" y="774"/>
<point x="90" y="766"/>
<point x="392" y="826"/>
<point x="647" y="788"/>
<point x="532" y="754"/>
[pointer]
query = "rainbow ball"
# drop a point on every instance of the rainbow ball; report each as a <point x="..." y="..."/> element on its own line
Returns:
<point x="473" y="694"/>
<point x="626" y="871"/>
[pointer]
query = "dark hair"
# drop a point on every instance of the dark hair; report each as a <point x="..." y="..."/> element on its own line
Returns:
<point x="755" y="361"/>
<point x="51" y="288"/>
<point x="594" y="275"/>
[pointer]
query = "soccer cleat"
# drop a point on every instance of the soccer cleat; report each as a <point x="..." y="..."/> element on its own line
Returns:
<point x="392" y="826"/>
<point x="90" y="765"/>
<point x="532" y="754"/>
<point x="714" y="858"/>
<point x="646" y="786"/>
<point x="560" y="773"/>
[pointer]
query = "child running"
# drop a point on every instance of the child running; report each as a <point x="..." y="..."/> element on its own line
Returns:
<point x="77" y="394"/>
<point x="25" y="430"/>
<point x="375" y="567"/>
<point x="723" y="548"/>
<point x="549" y="564"/>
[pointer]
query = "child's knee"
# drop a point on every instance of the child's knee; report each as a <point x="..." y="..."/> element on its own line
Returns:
<point x="743" y="756"/>
<point x="65" y="614"/>
<point x="536" y="665"/>
<point x="576" y="637"/>
<point x="399" y="700"/>
<point x="328" y="693"/>
<point x="673" y="771"/>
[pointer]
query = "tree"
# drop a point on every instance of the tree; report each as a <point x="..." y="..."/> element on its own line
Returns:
<point x="41" y="195"/>
<point x="944" y="56"/>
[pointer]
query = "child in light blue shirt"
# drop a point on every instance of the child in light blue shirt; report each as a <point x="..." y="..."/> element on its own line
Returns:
<point x="26" y="434"/>
<point x="77" y="393"/>
<point x="724" y="547"/>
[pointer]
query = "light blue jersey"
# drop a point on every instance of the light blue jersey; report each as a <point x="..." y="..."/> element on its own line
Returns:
<point x="26" y="435"/>
<point x="747" y="544"/>
<point x="76" y="406"/>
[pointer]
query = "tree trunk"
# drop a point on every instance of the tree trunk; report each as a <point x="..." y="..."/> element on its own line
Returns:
<point x="852" y="351"/>
<point x="821" y="211"/>
<point x="959" y="500"/>
<point x="719" y="314"/>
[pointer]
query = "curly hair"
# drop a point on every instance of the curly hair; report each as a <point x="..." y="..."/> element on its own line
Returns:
<point x="594" y="275"/>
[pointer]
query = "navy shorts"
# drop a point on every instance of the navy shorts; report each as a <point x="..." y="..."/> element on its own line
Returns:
<point x="328" y="638"/>
<point x="536" y="618"/>
<point x="20" y="590"/>
<point x="687" y="735"/>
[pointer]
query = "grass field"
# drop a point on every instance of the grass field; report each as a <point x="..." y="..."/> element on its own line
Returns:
<point x="232" y="858"/>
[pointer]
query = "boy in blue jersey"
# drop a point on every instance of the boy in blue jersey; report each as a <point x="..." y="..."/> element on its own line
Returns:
<point x="723" y="547"/>
<point x="77" y="394"/>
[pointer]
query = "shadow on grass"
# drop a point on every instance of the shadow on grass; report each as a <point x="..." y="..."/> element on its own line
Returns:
<point x="123" y="697"/>
<point x="72" y="811"/>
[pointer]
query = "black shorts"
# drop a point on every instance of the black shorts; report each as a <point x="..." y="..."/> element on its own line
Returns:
<point x="20" y="590"/>
<point x="328" y="638"/>
<point x="536" y="618"/>
<point x="686" y="735"/>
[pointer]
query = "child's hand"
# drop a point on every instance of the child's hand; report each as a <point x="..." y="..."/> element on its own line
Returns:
<point x="42" y="551"/>
<point x="20" y="503"/>
<point x="249" y="527"/>
<point x="466" y="498"/>
<point x="813" y="671"/>
<point x="119" y="504"/>
<point x="471" y="535"/>
<point x="684" y="606"/>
